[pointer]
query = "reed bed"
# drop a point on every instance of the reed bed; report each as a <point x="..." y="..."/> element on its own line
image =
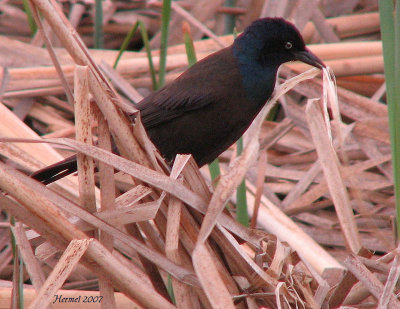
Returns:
<point x="317" y="167"/>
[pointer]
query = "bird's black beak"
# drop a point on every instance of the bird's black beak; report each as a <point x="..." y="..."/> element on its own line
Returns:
<point x="308" y="57"/>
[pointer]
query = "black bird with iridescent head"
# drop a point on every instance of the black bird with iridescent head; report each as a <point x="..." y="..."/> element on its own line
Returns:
<point x="207" y="108"/>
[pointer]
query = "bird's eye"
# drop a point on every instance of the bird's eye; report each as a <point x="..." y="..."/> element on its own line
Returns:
<point x="288" y="45"/>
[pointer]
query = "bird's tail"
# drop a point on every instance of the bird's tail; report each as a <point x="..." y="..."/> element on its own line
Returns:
<point x="56" y="171"/>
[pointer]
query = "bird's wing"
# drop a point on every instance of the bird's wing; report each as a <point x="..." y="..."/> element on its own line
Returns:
<point x="206" y="82"/>
<point x="162" y="107"/>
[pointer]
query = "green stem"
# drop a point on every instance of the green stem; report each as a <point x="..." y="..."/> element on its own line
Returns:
<point x="146" y="43"/>
<point x="31" y="20"/>
<point x="166" y="12"/>
<point x="391" y="48"/>
<point x="98" y="25"/>
<point x="241" y="199"/>
<point x="125" y="43"/>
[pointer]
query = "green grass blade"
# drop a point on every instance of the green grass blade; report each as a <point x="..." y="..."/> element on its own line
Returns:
<point x="241" y="200"/>
<point x="394" y="116"/>
<point x="21" y="283"/>
<point x="98" y="25"/>
<point x="125" y="43"/>
<point x="170" y="289"/>
<point x="145" y="39"/>
<point x="215" y="171"/>
<point x="31" y="20"/>
<point x="387" y="31"/>
<point x="229" y="18"/>
<point x="391" y="48"/>
<point x="146" y="43"/>
<point x="241" y="204"/>
<point x="189" y="46"/>
<point x="17" y="259"/>
<point x="166" y="13"/>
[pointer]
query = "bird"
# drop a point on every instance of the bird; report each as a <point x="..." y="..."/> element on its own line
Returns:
<point x="210" y="105"/>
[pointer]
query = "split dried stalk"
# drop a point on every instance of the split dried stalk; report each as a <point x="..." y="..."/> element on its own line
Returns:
<point x="60" y="273"/>
<point x="331" y="168"/>
<point x="84" y="134"/>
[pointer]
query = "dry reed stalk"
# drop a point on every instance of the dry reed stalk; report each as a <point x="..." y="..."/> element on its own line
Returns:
<point x="107" y="203"/>
<point x="84" y="135"/>
<point x="343" y="50"/>
<point x="120" y="83"/>
<point x="11" y="126"/>
<point x="195" y="22"/>
<point x="217" y="293"/>
<point x="33" y="267"/>
<point x="347" y="26"/>
<point x="182" y="293"/>
<point x="331" y="167"/>
<point x="374" y="286"/>
<point x="262" y="165"/>
<point x="52" y="53"/>
<point x="86" y="168"/>
<point x="349" y="66"/>
<point x="60" y="273"/>
<point x="40" y="154"/>
<point x="390" y="283"/>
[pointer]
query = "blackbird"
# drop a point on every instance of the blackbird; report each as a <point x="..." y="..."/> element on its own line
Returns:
<point x="209" y="106"/>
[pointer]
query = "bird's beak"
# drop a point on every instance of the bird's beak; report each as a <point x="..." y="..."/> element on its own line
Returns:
<point x="308" y="57"/>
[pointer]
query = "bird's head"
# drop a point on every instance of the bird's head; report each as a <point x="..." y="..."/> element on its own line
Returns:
<point x="272" y="42"/>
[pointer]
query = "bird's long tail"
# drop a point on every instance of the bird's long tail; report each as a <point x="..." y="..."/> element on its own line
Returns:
<point x="56" y="171"/>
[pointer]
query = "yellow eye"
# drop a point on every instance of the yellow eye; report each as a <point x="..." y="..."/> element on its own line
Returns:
<point x="288" y="45"/>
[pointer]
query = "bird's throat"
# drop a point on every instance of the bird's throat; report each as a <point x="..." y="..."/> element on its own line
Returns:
<point x="258" y="82"/>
